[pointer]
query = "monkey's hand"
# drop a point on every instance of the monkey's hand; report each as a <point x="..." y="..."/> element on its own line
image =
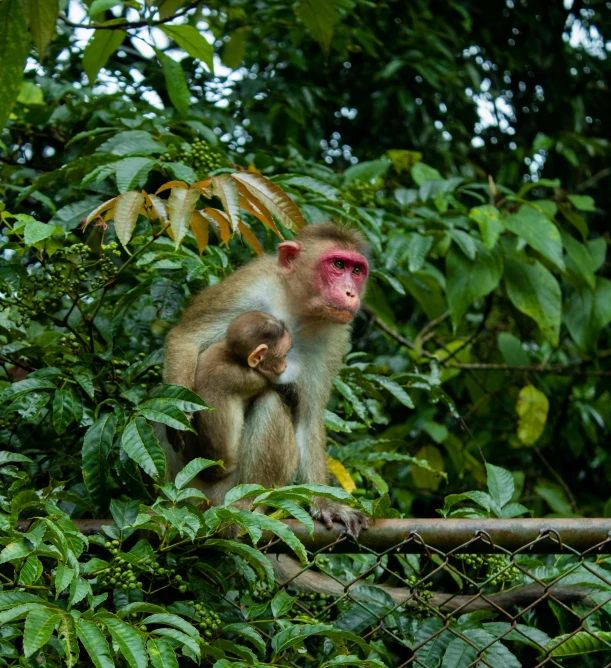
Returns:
<point x="326" y="511"/>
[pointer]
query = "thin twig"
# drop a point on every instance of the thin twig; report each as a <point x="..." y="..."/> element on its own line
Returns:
<point x="555" y="370"/>
<point x="431" y="324"/>
<point x="397" y="337"/>
<point x="127" y="25"/>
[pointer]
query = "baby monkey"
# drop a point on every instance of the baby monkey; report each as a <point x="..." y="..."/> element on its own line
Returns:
<point x="228" y="375"/>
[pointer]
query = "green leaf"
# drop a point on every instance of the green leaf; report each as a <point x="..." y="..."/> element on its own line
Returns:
<point x="469" y="280"/>
<point x="35" y="232"/>
<point x="175" y="83"/>
<point x="256" y="559"/>
<point x="41" y="17"/>
<point x="132" y="173"/>
<point x="25" y="387"/>
<point x="97" y="445"/>
<point x="127" y="210"/>
<point x="167" y="297"/>
<point x="161" y="653"/>
<point x="233" y="50"/>
<point x="130" y="641"/>
<point x="30" y="571"/>
<point x="500" y="484"/>
<point x="282" y="531"/>
<point x="320" y="18"/>
<point x="579" y="259"/>
<point x="17" y="550"/>
<point x="282" y="603"/>
<point x="10" y="599"/>
<point x="532" y="408"/>
<point x="582" y="202"/>
<point x="248" y="632"/>
<point x="181" y="205"/>
<point x="422" y="173"/>
<point x="418" y="248"/>
<point x="582" y="642"/>
<point x="39" y="626"/>
<point x="539" y="232"/>
<point x="124" y="513"/>
<point x="297" y="633"/>
<point x="368" y="171"/>
<point x="512" y="350"/>
<point x="65" y="409"/>
<point x="63" y="577"/>
<point x="139" y="442"/>
<point x="179" y="396"/>
<point x="94" y="643"/>
<point x="132" y="142"/>
<point x="173" y="620"/>
<point x="190" y="40"/>
<point x="99" y="6"/>
<point x="169" y="415"/>
<point x="14" y="47"/>
<point x="97" y="52"/>
<point x="193" y="468"/>
<point x="68" y="640"/>
<point x="72" y="215"/>
<point x="587" y="313"/>
<point x="393" y="388"/>
<point x="534" y="291"/>
<point x="30" y="94"/>
<point x="488" y="218"/>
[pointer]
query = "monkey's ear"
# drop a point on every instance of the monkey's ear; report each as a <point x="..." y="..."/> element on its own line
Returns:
<point x="256" y="356"/>
<point x="287" y="254"/>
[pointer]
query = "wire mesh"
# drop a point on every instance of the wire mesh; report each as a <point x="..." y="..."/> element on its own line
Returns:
<point x="476" y="603"/>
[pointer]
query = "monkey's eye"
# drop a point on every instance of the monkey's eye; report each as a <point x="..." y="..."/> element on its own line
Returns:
<point x="339" y="264"/>
<point x="357" y="271"/>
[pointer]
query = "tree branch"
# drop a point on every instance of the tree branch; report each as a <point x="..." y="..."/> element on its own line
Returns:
<point x="127" y="25"/>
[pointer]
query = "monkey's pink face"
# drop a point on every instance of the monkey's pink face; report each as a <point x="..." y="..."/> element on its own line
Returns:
<point x="327" y="285"/>
<point x="341" y="279"/>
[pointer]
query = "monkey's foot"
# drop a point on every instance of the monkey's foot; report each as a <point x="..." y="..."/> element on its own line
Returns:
<point x="327" y="511"/>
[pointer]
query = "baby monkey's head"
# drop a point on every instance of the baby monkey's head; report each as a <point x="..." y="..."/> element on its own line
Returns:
<point x="261" y="341"/>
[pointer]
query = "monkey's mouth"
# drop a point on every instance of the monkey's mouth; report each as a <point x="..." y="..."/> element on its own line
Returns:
<point x="339" y="313"/>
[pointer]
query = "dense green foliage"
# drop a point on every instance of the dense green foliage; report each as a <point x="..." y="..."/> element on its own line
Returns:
<point x="484" y="337"/>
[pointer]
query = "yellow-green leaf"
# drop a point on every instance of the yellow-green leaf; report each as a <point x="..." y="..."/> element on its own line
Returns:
<point x="99" y="50"/>
<point x="181" y="206"/>
<point x="188" y="38"/>
<point x="14" y="43"/>
<point x="273" y="198"/>
<point x="127" y="208"/>
<point x="320" y="18"/>
<point x="532" y="408"/>
<point x="100" y="210"/>
<point x="424" y="479"/>
<point x="41" y="16"/>
<point x="341" y="474"/>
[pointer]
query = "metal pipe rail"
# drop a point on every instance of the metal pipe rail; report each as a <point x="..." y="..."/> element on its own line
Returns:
<point x="418" y="536"/>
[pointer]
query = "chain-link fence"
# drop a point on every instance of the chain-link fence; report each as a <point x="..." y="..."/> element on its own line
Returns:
<point x="454" y="593"/>
<point x="464" y="593"/>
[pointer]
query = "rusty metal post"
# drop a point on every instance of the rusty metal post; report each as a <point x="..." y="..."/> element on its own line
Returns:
<point x="540" y="535"/>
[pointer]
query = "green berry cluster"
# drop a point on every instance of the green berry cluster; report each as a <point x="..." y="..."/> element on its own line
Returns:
<point x="493" y="563"/>
<point x="261" y="592"/>
<point x="200" y="155"/>
<point x="361" y="193"/>
<point x="120" y="574"/>
<point x="210" y="622"/>
<point x="8" y="420"/>
<point x="422" y="595"/>
<point x="315" y="601"/>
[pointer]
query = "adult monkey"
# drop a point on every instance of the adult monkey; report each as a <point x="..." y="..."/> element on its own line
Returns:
<point x="314" y="285"/>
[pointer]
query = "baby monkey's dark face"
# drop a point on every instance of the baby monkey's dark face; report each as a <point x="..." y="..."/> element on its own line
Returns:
<point x="274" y="358"/>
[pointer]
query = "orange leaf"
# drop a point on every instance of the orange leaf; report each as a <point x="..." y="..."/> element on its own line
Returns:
<point x="171" y="184"/>
<point x="221" y="219"/>
<point x="252" y="240"/>
<point x="224" y="187"/>
<point x="199" y="227"/>
<point x="99" y="210"/>
<point x="257" y="209"/>
<point x="273" y="197"/>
